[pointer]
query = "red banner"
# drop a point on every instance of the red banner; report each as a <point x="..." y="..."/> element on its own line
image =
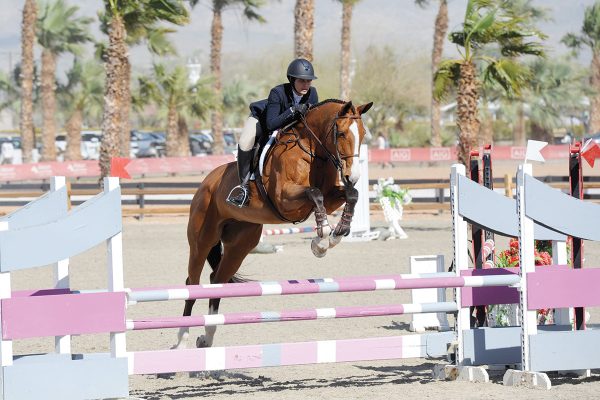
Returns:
<point x="449" y="154"/>
<point x="191" y="165"/>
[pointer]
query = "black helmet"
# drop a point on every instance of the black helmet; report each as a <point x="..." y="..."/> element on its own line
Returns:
<point x="301" y="69"/>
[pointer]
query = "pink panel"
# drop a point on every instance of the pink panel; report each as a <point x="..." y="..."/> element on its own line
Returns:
<point x="164" y="361"/>
<point x="298" y="353"/>
<point x="243" y="357"/>
<point x="26" y="317"/>
<point x="382" y="348"/>
<point x="556" y="287"/>
<point x="482" y="296"/>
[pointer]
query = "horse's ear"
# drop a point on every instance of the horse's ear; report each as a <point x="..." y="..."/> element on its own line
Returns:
<point x="364" y="108"/>
<point x="345" y="108"/>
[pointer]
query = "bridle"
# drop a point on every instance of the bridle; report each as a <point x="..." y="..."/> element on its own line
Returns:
<point x="336" y="159"/>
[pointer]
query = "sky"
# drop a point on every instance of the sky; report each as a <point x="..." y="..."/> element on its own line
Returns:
<point x="399" y="24"/>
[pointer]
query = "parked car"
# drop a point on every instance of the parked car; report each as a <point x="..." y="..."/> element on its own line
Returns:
<point x="201" y="144"/>
<point x="90" y="145"/>
<point x="147" y="144"/>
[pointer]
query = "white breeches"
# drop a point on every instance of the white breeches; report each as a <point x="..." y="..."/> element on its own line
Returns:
<point x="248" y="134"/>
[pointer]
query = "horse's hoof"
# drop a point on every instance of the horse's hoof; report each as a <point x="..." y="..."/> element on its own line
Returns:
<point x="318" y="250"/>
<point x="334" y="240"/>
<point x="201" y="342"/>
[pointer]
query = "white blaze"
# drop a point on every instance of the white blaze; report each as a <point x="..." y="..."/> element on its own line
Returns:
<point x="355" y="171"/>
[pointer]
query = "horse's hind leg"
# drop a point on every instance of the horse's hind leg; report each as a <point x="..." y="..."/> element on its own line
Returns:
<point x="200" y="250"/>
<point x="238" y="238"/>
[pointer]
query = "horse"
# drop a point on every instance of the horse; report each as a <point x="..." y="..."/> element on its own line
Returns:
<point x="312" y="166"/>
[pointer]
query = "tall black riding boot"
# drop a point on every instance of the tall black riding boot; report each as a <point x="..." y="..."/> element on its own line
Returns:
<point x="240" y="194"/>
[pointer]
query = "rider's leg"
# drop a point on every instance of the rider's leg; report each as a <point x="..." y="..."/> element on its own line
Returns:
<point x="239" y="195"/>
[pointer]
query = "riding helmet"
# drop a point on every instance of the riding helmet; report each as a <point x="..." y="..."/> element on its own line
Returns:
<point x="301" y="69"/>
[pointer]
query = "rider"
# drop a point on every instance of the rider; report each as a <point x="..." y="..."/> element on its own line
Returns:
<point x="286" y="103"/>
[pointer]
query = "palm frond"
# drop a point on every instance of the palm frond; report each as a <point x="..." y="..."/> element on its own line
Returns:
<point x="445" y="78"/>
<point x="512" y="76"/>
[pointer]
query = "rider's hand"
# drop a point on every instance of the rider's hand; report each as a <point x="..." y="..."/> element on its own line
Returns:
<point x="299" y="109"/>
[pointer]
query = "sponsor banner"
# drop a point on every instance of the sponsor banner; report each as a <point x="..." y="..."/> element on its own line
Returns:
<point x="191" y="165"/>
<point x="449" y="154"/>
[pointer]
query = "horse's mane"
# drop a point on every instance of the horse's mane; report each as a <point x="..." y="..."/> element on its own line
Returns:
<point x="327" y="101"/>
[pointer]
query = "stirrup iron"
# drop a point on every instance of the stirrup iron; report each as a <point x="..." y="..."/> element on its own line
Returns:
<point x="239" y="196"/>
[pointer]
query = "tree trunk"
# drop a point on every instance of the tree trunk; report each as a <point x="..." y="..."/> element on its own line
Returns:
<point x="27" y="41"/>
<point x="48" y="106"/>
<point x="519" y="129"/>
<point x="125" y="138"/>
<point x="112" y="118"/>
<point x="304" y="25"/>
<point x="487" y="125"/>
<point x="73" y="128"/>
<point x="183" y="137"/>
<point x="345" y="62"/>
<point x="439" y="35"/>
<point x="595" y="101"/>
<point x="172" y="132"/>
<point x="466" y="113"/>
<point x="216" y="42"/>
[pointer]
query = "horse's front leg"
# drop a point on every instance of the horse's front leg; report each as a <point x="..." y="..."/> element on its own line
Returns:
<point x="343" y="227"/>
<point x="293" y="197"/>
<point x="320" y="244"/>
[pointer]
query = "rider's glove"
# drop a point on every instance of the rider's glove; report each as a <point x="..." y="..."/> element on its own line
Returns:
<point x="299" y="109"/>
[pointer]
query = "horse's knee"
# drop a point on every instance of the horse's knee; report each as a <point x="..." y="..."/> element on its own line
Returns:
<point x="352" y="195"/>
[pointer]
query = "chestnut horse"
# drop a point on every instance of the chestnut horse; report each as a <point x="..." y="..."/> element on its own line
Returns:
<point x="312" y="166"/>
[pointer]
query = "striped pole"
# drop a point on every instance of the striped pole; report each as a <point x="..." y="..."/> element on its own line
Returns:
<point x="288" y="231"/>
<point x="329" y="285"/>
<point x="289" y="315"/>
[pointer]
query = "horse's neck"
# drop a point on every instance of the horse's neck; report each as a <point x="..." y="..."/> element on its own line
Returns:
<point x="319" y="121"/>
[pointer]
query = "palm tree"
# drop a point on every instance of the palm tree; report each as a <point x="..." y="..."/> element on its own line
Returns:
<point x="118" y="14"/>
<point x="304" y="26"/>
<point x="27" y="77"/>
<point x="533" y="14"/>
<point x="441" y="27"/>
<point x="250" y="12"/>
<point x="140" y="28"/>
<point x="171" y="90"/>
<point x="555" y="92"/>
<point x="347" y="7"/>
<point x="59" y="31"/>
<point x="485" y="24"/>
<point x="590" y="37"/>
<point x="82" y="96"/>
<point x="236" y="97"/>
<point x="9" y="91"/>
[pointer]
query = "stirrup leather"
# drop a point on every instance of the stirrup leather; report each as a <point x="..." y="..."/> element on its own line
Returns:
<point x="239" y="196"/>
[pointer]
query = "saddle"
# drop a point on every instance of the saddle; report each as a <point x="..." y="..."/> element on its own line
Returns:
<point x="260" y="152"/>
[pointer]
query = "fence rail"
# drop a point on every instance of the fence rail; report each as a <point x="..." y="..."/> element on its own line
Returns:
<point x="166" y="197"/>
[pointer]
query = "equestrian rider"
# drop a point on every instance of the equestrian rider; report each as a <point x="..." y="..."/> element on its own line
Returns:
<point x="286" y="103"/>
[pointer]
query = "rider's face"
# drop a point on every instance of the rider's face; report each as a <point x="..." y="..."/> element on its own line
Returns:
<point x="302" y="85"/>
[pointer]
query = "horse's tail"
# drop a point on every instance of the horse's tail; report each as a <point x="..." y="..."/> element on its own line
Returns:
<point x="214" y="258"/>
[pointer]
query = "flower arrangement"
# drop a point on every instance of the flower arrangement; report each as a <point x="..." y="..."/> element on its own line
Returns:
<point x="510" y="258"/>
<point x="388" y="189"/>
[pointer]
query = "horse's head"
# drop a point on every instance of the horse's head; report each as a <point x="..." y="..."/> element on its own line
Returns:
<point x="349" y="132"/>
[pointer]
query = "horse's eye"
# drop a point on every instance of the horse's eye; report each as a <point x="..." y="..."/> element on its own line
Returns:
<point x="342" y="135"/>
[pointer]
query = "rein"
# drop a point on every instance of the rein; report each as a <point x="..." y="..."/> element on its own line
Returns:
<point x="336" y="160"/>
